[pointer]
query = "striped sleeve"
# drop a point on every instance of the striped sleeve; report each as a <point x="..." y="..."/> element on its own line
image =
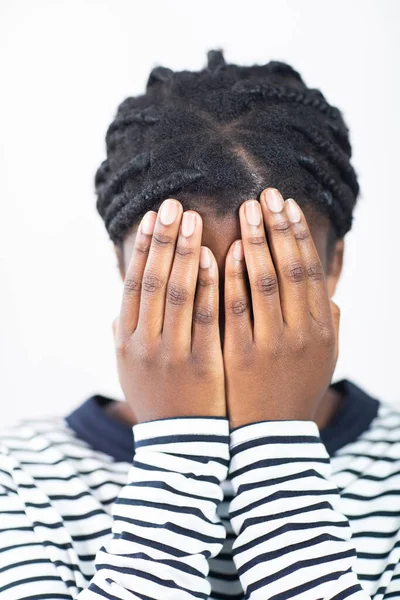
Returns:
<point x="292" y="541"/>
<point x="165" y="522"/>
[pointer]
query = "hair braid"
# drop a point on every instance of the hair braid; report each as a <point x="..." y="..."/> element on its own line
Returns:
<point x="220" y="135"/>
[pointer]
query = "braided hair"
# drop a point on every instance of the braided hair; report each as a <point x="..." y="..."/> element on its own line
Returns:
<point x="221" y="135"/>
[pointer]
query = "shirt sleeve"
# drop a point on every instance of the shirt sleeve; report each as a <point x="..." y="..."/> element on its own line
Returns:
<point x="165" y="522"/>
<point x="292" y="541"/>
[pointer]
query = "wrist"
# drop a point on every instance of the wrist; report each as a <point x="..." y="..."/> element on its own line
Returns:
<point x="273" y="417"/>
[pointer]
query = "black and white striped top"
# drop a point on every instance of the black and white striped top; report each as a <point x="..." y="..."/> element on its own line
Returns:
<point x="185" y="508"/>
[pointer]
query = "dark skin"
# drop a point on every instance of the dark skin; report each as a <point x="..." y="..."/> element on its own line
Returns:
<point x="268" y="354"/>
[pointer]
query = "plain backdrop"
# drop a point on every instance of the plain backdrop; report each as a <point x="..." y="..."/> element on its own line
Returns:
<point x="64" y="68"/>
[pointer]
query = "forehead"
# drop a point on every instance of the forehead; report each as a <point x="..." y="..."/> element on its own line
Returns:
<point x="219" y="232"/>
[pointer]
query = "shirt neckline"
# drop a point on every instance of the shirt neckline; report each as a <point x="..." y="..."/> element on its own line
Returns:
<point x="108" y="434"/>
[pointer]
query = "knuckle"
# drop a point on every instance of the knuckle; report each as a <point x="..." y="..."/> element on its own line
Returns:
<point x="315" y="271"/>
<point x="183" y="251"/>
<point x="238" y="306"/>
<point x="327" y="336"/>
<point x="121" y="346"/>
<point x="301" y="343"/>
<point x="283" y="227"/>
<point x="145" y="353"/>
<point x="245" y="359"/>
<point x="173" y="362"/>
<point x="274" y="346"/>
<point x="132" y="286"/>
<point x="257" y="240"/>
<point x="295" y="272"/>
<point x="276" y="349"/>
<point x="206" y="282"/>
<point x="176" y="294"/>
<point x="302" y="234"/>
<point x="202" y="367"/>
<point x="203" y="315"/>
<point x="162" y="240"/>
<point x="152" y="283"/>
<point x="267" y="284"/>
<point x="142" y="247"/>
<point x="237" y="273"/>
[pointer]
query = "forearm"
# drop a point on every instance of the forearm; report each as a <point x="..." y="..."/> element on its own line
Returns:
<point x="165" y="522"/>
<point x="291" y="539"/>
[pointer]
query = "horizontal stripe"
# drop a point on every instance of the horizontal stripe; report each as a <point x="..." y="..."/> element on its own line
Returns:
<point x="277" y="526"/>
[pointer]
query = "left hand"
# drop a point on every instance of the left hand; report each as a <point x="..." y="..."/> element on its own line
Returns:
<point x="279" y="364"/>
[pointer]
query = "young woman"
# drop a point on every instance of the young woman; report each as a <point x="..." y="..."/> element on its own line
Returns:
<point x="235" y="468"/>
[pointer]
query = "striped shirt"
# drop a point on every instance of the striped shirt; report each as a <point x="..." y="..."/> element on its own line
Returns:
<point x="91" y="508"/>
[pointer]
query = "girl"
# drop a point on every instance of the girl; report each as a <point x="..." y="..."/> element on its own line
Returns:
<point x="235" y="468"/>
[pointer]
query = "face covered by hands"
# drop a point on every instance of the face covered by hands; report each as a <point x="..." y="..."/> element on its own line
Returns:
<point x="281" y="336"/>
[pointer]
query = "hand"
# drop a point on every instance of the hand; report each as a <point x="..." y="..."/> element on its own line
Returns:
<point x="279" y="364"/>
<point x="167" y="337"/>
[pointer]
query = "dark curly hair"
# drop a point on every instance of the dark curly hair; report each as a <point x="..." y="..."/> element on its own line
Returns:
<point x="221" y="135"/>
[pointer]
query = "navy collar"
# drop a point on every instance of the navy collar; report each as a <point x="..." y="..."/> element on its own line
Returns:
<point x="106" y="433"/>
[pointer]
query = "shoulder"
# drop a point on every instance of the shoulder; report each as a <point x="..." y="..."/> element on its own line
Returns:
<point x="35" y="448"/>
<point x="35" y="435"/>
<point x="385" y="427"/>
<point x="379" y="444"/>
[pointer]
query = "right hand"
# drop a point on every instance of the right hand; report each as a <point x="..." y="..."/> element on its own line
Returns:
<point x="167" y="339"/>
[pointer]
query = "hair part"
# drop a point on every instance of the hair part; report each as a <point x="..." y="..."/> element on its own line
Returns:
<point x="226" y="133"/>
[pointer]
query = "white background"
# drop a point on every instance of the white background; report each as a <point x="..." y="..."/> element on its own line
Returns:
<point x="65" y="66"/>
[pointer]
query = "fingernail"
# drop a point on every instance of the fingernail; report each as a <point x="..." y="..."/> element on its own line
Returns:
<point x="205" y="258"/>
<point x="168" y="212"/>
<point x="274" y="200"/>
<point x="238" y="250"/>
<point x="293" y="210"/>
<point x="147" y="224"/>
<point x="188" y="223"/>
<point x="253" y="213"/>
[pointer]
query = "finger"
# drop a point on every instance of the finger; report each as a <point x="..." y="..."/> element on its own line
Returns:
<point x="317" y="290"/>
<point x="287" y="259"/>
<point x="205" y="329"/>
<point x="238" y="322"/>
<point x="181" y="287"/>
<point x="130" y="306"/>
<point x="260" y="268"/>
<point x="158" y="268"/>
